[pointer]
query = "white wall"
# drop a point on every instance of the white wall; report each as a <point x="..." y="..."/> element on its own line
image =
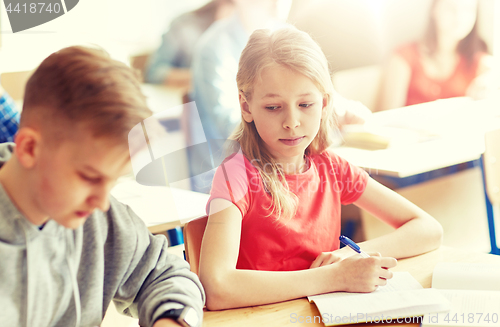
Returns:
<point x="122" y="27"/>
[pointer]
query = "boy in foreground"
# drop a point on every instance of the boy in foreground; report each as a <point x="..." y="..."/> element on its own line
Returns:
<point x="66" y="248"/>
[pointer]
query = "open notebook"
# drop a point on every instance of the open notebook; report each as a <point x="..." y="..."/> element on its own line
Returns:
<point x="402" y="297"/>
<point x="474" y="292"/>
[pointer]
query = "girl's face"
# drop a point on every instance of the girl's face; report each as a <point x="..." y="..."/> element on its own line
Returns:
<point x="287" y="109"/>
<point x="455" y="18"/>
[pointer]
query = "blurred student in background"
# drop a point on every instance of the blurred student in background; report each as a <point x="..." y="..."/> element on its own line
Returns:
<point x="171" y="62"/>
<point x="451" y="60"/>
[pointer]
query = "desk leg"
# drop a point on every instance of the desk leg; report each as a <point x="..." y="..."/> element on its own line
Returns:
<point x="491" y="214"/>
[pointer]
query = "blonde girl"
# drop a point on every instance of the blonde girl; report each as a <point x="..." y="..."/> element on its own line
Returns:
<point x="274" y="211"/>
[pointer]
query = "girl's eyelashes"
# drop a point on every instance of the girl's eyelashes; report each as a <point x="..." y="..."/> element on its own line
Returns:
<point x="302" y="105"/>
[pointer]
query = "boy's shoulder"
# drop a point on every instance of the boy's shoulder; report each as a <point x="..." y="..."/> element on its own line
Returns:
<point x="119" y="222"/>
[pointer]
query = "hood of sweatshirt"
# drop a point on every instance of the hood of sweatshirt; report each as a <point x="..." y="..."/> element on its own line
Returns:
<point x="38" y="263"/>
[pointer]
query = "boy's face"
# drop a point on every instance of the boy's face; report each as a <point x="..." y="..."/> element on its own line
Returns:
<point x="74" y="178"/>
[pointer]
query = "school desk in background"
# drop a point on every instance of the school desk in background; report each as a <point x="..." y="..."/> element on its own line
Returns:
<point x="423" y="144"/>
<point x="161" y="207"/>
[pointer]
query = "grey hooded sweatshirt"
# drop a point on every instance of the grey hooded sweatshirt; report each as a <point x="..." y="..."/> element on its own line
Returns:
<point x="61" y="277"/>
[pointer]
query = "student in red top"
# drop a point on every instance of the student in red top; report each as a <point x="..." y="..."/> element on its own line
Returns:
<point x="274" y="211"/>
<point x="450" y="61"/>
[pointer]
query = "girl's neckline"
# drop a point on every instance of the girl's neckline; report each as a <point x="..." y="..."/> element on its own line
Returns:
<point x="305" y="168"/>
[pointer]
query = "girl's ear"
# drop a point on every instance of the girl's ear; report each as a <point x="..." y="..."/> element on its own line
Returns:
<point x="325" y="104"/>
<point x="27" y="146"/>
<point x="245" y="108"/>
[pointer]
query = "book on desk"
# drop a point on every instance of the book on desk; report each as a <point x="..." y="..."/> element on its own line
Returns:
<point x="371" y="137"/>
<point x="402" y="297"/>
<point x="440" y="119"/>
<point x="474" y="293"/>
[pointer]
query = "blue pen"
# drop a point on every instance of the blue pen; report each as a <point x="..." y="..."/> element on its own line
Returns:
<point x="350" y="243"/>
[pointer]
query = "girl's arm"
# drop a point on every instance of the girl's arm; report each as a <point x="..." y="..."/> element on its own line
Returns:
<point x="487" y="81"/>
<point x="228" y="287"/>
<point x="394" y="85"/>
<point x="416" y="231"/>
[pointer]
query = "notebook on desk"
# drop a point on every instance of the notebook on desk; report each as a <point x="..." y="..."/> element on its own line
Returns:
<point x="474" y="293"/>
<point x="418" y="123"/>
<point x="374" y="137"/>
<point x="402" y="297"/>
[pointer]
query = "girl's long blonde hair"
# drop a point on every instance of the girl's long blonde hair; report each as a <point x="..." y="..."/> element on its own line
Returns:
<point x="295" y="50"/>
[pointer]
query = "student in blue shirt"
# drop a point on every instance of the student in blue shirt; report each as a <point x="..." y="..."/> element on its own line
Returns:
<point x="9" y="117"/>
<point x="171" y="62"/>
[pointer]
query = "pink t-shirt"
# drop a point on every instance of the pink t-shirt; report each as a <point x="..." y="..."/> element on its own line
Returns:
<point x="423" y="88"/>
<point x="289" y="244"/>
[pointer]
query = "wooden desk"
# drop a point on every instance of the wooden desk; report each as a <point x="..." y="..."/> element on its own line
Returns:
<point x="162" y="208"/>
<point x="279" y="314"/>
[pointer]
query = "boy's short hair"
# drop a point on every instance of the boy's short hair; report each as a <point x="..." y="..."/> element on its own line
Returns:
<point x="83" y="87"/>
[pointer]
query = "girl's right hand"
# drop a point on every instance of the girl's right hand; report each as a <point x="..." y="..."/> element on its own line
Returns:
<point x="358" y="274"/>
